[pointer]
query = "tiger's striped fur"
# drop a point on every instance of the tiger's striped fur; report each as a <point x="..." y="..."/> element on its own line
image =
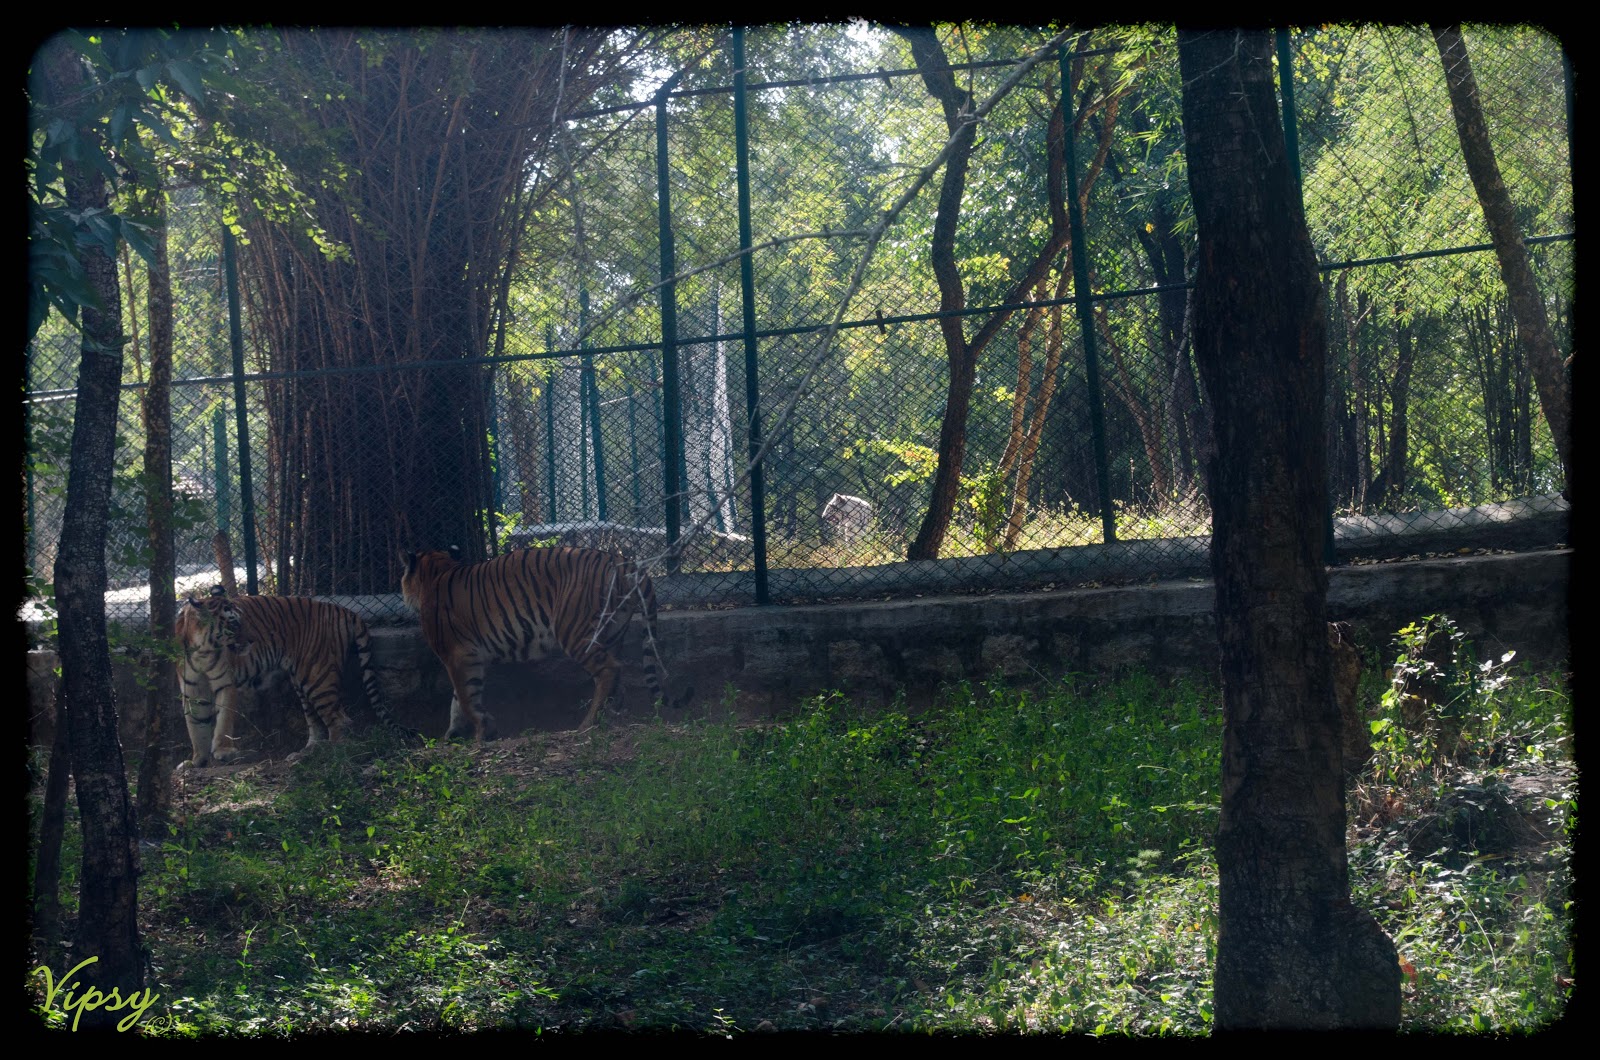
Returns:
<point x="229" y="642"/>
<point x="526" y="605"/>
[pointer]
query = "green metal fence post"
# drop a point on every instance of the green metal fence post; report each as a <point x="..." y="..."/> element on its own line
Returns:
<point x="495" y="478"/>
<point x="1080" y="291"/>
<point x="633" y="451"/>
<point x="247" y="503"/>
<point x="747" y="288"/>
<point x="219" y="448"/>
<point x="583" y="446"/>
<point x="592" y="394"/>
<point x="550" y="424"/>
<point x="672" y="409"/>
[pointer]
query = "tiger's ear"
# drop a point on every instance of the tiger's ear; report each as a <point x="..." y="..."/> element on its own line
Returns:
<point x="455" y="553"/>
<point x="218" y="590"/>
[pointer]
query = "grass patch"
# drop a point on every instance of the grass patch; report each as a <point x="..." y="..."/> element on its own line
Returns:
<point x="1008" y="860"/>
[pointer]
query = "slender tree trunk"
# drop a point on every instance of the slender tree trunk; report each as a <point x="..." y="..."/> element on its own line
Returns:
<point x="962" y="361"/>
<point x="1361" y="441"/>
<point x="1150" y="421"/>
<point x="222" y="549"/>
<point x="1041" y="408"/>
<point x="962" y="354"/>
<point x="47" y="862"/>
<point x="154" y="768"/>
<point x="1392" y="479"/>
<point x="1292" y="952"/>
<point x="108" y="896"/>
<point x="1533" y="327"/>
<point x="1168" y="265"/>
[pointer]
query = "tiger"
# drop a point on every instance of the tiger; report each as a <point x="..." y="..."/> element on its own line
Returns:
<point x="229" y="642"/>
<point x="526" y="605"/>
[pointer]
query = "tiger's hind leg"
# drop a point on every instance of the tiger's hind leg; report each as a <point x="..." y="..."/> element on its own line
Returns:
<point x="467" y="717"/>
<point x="604" y="668"/>
<point x="326" y="720"/>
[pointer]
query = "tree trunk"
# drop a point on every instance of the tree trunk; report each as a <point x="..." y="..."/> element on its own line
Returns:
<point x="1164" y="251"/>
<point x="1533" y="327"/>
<point x="956" y="101"/>
<point x="1391" y="484"/>
<point x="1041" y="409"/>
<point x="1292" y="952"/>
<point x="961" y="354"/>
<point x="374" y="462"/>
<point x="108" y="896"/>
<point x="1150" y="421"/>
<point x="154" y="767"/>
<point x="47" y="862"/>
<point x="1361" y="441"/>
<point x="222" y="549"/>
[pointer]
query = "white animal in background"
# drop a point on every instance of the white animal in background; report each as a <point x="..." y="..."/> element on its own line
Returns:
<point x="845" y="518"/>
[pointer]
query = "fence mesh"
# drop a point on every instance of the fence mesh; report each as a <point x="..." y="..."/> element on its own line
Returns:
<point x="1433" y="415"/>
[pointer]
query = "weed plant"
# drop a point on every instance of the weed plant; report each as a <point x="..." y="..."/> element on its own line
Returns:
<point x="1004" y="861"/>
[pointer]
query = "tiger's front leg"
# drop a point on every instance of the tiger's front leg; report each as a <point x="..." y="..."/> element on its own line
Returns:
<point x="200" y="715"/>
<point x="209" y="710"/>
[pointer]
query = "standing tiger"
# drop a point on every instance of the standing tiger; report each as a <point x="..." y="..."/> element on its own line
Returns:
<point x="229" y="642"/>
<point x="525" y="605"/>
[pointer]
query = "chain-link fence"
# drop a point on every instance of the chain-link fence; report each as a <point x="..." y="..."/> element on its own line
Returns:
<point x="616" y="410"/>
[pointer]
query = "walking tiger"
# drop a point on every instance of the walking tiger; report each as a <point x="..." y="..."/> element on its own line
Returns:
<point x="527" y="605"/>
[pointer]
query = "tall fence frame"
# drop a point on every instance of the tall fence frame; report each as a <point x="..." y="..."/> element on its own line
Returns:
<point x="700" y="500"/>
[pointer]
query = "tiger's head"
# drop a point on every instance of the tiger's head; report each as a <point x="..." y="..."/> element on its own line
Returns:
<point x="211" y="625"/>
<point x="422" y="569"/>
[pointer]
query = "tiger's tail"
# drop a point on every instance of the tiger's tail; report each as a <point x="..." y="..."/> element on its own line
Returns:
<point x="369" y="683"/>
<point x="655" y="672"/>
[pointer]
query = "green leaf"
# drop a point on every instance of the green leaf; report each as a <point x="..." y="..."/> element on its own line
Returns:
<point x="138" y="237"/>
<point x="188" y="79"/>
<point x="59" y="132"/>
<point x="164" y="131"/>
<point x="120" y="119"/>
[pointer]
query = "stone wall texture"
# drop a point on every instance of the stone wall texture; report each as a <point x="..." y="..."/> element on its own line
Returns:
<point x="760" y="662"/>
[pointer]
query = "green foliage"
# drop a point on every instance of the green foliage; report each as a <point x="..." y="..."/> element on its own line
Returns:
<point x="1003" y="860"/>
<point x="160" y="107"/>
<point x="142" y="88"/>
<point x="988" y="494"/>
<point x="1462" y="848"/>
<point x="1435" y="685"/>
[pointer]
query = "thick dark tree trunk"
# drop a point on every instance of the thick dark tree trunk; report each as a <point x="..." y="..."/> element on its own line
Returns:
<point x="1533" y="327"/>
<point x="107" y="899"/>
<point x="154" y="766"/>
<point x="368" y="464"/>
<point x="1292" y="952"/>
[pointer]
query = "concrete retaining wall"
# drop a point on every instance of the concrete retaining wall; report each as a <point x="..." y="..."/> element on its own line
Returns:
<point x="761" y="661"/>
